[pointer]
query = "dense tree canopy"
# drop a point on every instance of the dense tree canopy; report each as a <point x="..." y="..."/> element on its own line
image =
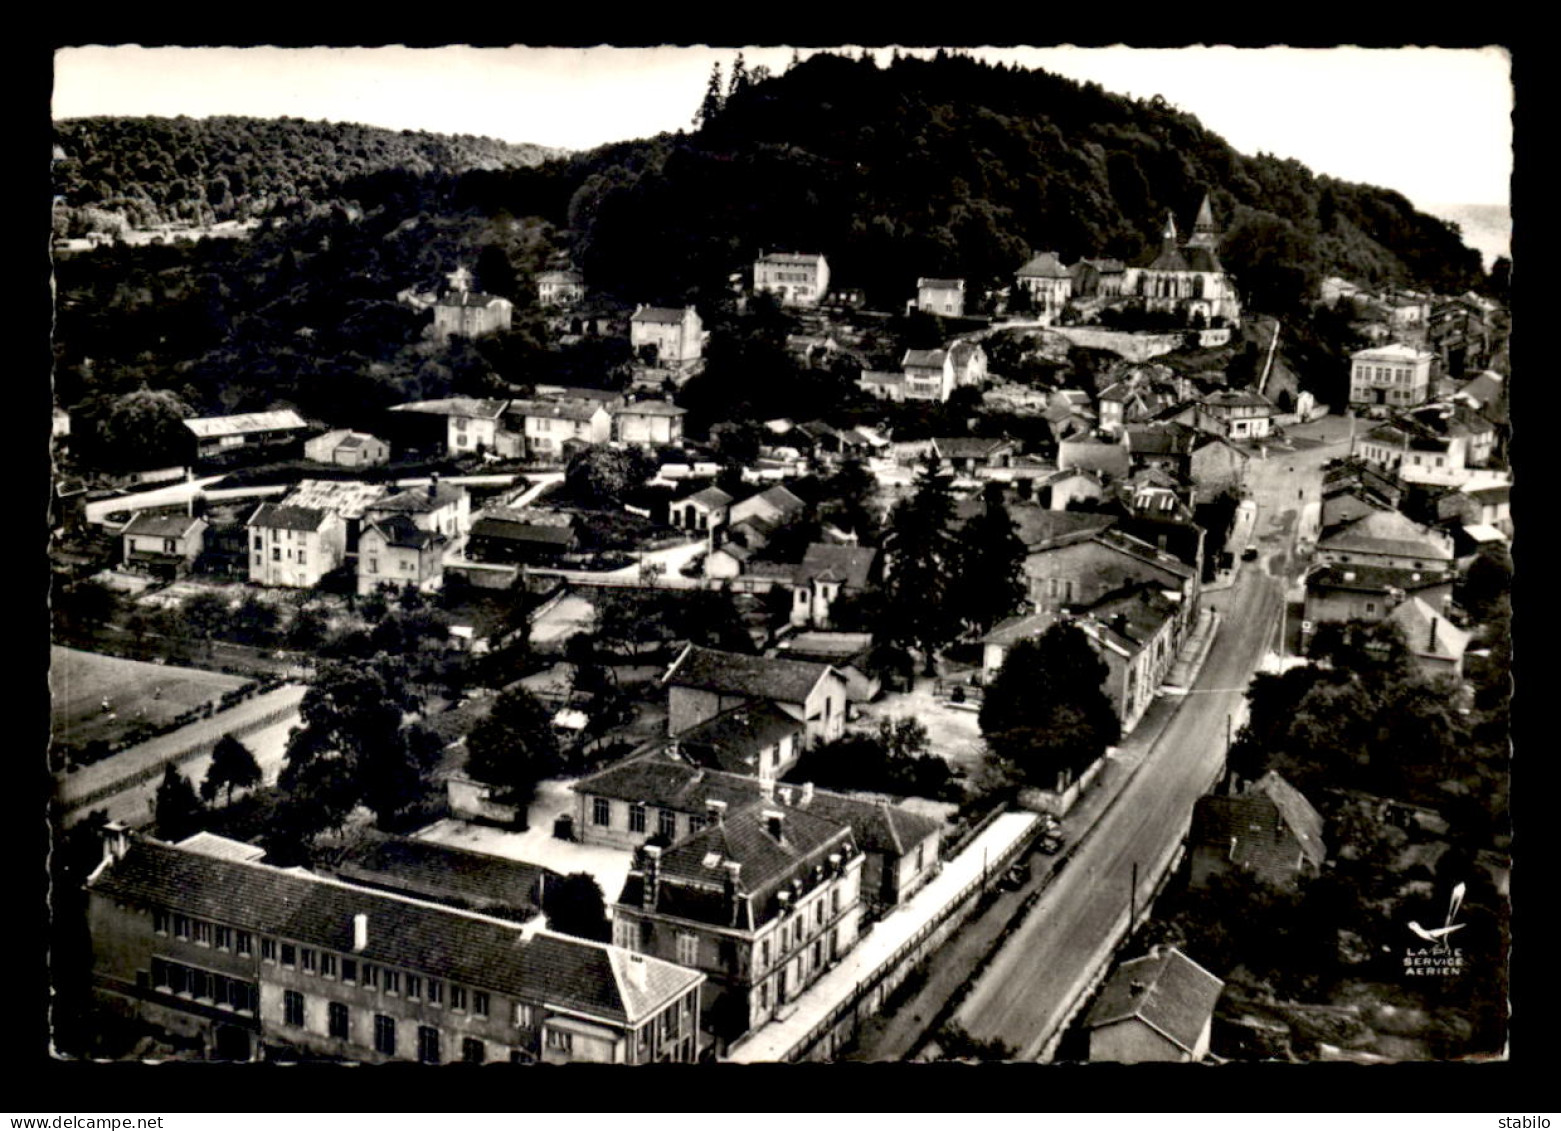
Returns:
<point x="922" y="578"/>
<point x="513" y="747"/>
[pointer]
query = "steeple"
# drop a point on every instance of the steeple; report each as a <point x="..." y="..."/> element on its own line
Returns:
<point x="460" y="280"/>
<point x="1204" y="233"/>
<point x="1169" y="235"/>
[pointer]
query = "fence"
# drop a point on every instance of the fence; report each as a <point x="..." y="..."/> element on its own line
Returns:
<point x="179" y="757"/>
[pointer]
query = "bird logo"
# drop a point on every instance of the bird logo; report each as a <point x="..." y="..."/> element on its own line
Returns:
<point x="1439" y="935"/>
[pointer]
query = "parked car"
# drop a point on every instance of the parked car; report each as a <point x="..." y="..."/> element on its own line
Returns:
<point x="1249" y="554"/>
<point x="1051" y="844"/>
<point x="1015" y="878"/>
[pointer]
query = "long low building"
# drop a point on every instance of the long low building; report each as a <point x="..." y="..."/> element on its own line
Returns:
<point x="203" y="941"/>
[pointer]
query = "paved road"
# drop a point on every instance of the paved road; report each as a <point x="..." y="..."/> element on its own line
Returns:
<point x="1026" y="993"/>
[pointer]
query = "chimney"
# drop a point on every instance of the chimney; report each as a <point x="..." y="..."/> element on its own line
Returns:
<point x="1431" y="643"/>
<point x="1136" y="988"/>
<point x="634" y="971"/>
<point x="807" y="794"/>
<point x="116" y="841"/>
<point x="775" y="825"/>
<point x="716" y="811"/>
<point x="652" y="877"/>
<point x="785" y="795"/>
<point x="730" y="885"/>
<point x="360" y="932"/>
<point x="433" y="484"/>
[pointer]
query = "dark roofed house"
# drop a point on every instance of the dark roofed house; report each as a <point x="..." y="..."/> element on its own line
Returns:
<point x="763" y="901"/>
<point x="165" y="545"/>
<point x="469" y="313"/>
<point x="508" y="535"/>
<point x="1268" y="830"/>
<point x="826" y="573"/>
<point x="901" y="847"/>
<point x="217" y="948"/>
<point x="1156" y="1008"/>
<point x="775" y="505"/>
<point x="656" y="793"/>
<point x="703" y="683"/>
<point x="969" y="454"/>
<point x="706" y="509"/>
<point x="756" y="738"/>
<point x="394" y="550"/>
<point x="294" y="546"/>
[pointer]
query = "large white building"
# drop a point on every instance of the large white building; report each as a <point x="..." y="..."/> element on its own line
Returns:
<point x="1390" y="378"/>
<point x="795" y="279"/>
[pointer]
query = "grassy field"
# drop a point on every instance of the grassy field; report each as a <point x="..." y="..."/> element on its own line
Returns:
<point x="136" y="692"/>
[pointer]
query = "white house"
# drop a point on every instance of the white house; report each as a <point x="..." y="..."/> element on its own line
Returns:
<point x="294" y="546"/>
<point x="797" y="280"/>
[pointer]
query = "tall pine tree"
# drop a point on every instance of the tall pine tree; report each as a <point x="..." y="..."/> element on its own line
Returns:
<point x="919" y="604"/>
<point x="992" y="584"/>
<point x="714" y="99"/>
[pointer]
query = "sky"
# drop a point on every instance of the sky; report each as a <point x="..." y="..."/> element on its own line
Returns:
<point x="1382" y="116"/>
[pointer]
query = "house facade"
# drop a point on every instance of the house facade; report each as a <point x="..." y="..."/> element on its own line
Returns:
<point x="1188" y="278"/>
<point x="560" y="288"/>
<point x="472" y="425"/>
<point x="704" y="510"/>
<point x="703" y="683"/>
<point x="648" y="423"/>
<point x="547" y="426"/>
<point x="762" y="903"/>
<point x="1389" y="378"/>
<point x="1048" y="283"/>
<point x="1267" y="830"/>
<point x="164" y="545"/>
<point x="345" y="448"/>
<point x="945" y="297"/>
<point x="256" y="961"/>
<point x="440" y="508"/>
<point x="1240" y="414"/>
<point x="393" y="550"/>
<point x="468" y="313"/>
<point x="825" y="574"/>
<point x="928" y="375"/>
<point x="667" y="338"/>
<point x="795" y="279"/>
<point x="294" y="547"/>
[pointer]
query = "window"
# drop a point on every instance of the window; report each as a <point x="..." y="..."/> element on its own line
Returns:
<point x="623" y="934"/>
<point x="458" y="997"/>
<point x="435" y="992"/>
<point x="268" y="950"/>
<point x="473" y="1051"/>
<point x="300" y="557"/>
<point x="224" y="938"/>
<point x="328" y="965"/>
<point x="636" y="818"/>
<point x="371" y="976"/>
<point x="560" y="1041"/>
<point x="818" y="917"/>
<point x="427" y="1044"/>
<point x="307" y="961"/>
<point x="522" y="1015"/>
<point x="414" y="986"/>
<point x="181" y="927"/>
<point x="818" y="953"/>
<point x="336" y="1020"/>
<point x="243" y="943"/>
<point x="667" y="823"/>
<point x="695" y="823"/>
<point x="764" y="955"/>
<point x="160" y="922"/>
<point x="293" y="1008"/>
<point x="276" y="553"/>
<point x="349" y="969"/>
<point x="688" y="949"/>
<point x="480" y="1003"/>
<point x="289" y="955"/>
<point x="384" y="1034"/>
<point x="601" y="812"/>
<point x="392" y="981"/>
<point x="202" y="985"/>
<point x="764" y="996"/>
<point x="260" y="543"/>
<point x="373" y="565"/>
<point x="202" y="932"/>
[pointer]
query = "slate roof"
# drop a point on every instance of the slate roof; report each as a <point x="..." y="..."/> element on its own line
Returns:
<point x="160" y="525"/>
<point x="942" y="284"/>
<point x="879" y="827"/>
<point x="1170" y="438"/>
<point x="667" y="782"/>
<point x="780" y="498"/>
<point x="662" y="314"/>
<point x="476" y="881"/>
<point x="470" y="299"/>
<point x="1345" y="507"/>
<point x="754" y="677"/>
<point x="1129" y="618"/>
<point x="210" y="427"/>
<point x="1269" y="821"/>
<point x="401" y="531"/>
<point x="1393" y="351"/>
<point x="733" y="740"/>
<point x="969" y="447"/>
<point x="849" y="565"/>
<point x="274" y="516"/>
<point x="346" y="497"/>
<point x="1046" y="265"/>
<point x="560" y="277"/>
<point x="561" y="409"/>
<point x="1428" y="633"/>
<point x="441" y="942"/>
<point x="1043" y="529"/>
<point x="1501" y="493"/>
<point x="709" y="497"/>
<point x="1175" y="997"/>
<point x="1374" y="579"/>
<point x="791" y="258"/>
<point x="481" y="409"/>
<point x="923" y="359"/>
<point x="419" y="500"/>
<point x="1015" y="629"/>
<point x="1388" y="532"/>
<point x="499" y="527"/>
<point x="648" y="408"/>
<point x="1238" y="398"/>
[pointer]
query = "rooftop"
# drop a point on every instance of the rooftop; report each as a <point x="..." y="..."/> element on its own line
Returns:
<point x="648" y="408"/>
<point x="665" y="314"/>
<point x="210" y="427"/>
<point x="1046" y="265"/>
<point x="1428" y="633"/>
<point x="851" y="566"/>
<point x="275" y="516"/>
<point x="734" y="739"/>
<point x="160" y="525"/>
<point x="476" y="881"/>
<point x="456" y="406"/>
<point x="1167" y="991"/>
<point x="1254" y="819"/>
<point x="754" y="677"/>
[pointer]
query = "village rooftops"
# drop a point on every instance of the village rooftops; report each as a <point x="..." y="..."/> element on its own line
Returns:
<point x="969" y="447"/>
<point x="670" y="781"/>
<point x="419" y="500"/>
<point x="1238" y="398"/>
<point x="1041" y="529"/>
<point x="942" y="284"/>
<point x="780" y="498"/>
<point x="1167" y="991"/>
<point x="475" y="881"/>
<point x="469" y="298"/>
<point x="160" y="525"/>
<point x="405" y="933"/>
<point x="561" y="409"/>
<point x="709" y="497"/>
<point x="346" y="497"/>
<point x="1129" y="618"/>
<point x="484" y="409"/>
<point x="401" y="532"/>
<point x="753" y="677"/>
<point x="1388" y="532"/>
<point x="275" y="516"/>
<point x="211" y="427"/>
<point x="1429" y="633"/>
<point x="1046" y="265"/>
<point x="851" y="566"/>
<point x="1374" y="579"/>
<point x="1223" y="821"/>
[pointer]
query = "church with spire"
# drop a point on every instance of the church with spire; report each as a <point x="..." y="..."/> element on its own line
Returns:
<point x="1187" y="277"/>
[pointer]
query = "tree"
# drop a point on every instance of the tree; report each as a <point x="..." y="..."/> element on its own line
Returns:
<point x="138" y="430"/>
<point x="991" y="566"/>
<point x="603" y="475"/>
<point x="177" y="810"/>
<point x="1045" y="714"/>
<point x="713" y="100"/>
<point x="920" y="583"/>
<point x="232" y="766"/>
<point x="513" y="747"/>
<point x="205" y="615"/>
<point x="574" y="905"/>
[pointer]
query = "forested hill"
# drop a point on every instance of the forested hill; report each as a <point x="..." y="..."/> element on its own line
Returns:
<point x="161" y="170"/>
<point x="950" y="166"/>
